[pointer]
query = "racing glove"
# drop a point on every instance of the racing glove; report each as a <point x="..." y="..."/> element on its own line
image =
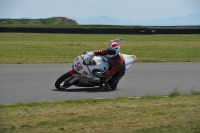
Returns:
<point x="90" y="54"/>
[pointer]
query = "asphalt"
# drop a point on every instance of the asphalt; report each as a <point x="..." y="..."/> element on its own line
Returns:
<point x="35" y="82"/>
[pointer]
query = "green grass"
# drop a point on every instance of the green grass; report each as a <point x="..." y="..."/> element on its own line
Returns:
<point x="20" y="48"/>
<point x="178" y="114"/>
<point x="175" y="93"/>
<point x="174" y="114"/>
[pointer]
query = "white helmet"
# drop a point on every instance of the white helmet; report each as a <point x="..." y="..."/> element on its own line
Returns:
<point x="113" y="49"/>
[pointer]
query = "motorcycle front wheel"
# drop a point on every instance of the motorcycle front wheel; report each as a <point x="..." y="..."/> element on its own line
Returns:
<point x="62" y="79"/>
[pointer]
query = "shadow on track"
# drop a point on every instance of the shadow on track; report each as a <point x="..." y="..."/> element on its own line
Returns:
<point x="90" y="90"/>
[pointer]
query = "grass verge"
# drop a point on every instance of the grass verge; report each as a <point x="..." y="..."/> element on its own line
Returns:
<point x="29" y="48"/>
<point x="141" y="115"/>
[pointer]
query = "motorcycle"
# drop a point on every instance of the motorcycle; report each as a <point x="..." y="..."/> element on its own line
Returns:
<point x="85" y="67"/>
<point x="83" y="71"/>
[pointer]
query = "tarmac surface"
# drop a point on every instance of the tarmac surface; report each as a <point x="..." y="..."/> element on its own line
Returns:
<point x="35" y="82"/>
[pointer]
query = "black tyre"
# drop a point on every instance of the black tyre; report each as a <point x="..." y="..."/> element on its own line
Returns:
<point x="61" y="79"/>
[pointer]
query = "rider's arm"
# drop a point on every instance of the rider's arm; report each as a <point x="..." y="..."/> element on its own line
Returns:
<point x="100" y="52"/>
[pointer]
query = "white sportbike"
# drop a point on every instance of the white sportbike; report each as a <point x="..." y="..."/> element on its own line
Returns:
<point x="83" y="71"/>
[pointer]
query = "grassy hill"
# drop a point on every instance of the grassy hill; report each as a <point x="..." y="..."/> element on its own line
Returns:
<point x="47" y="21"/>
<point x="63" y="22"/>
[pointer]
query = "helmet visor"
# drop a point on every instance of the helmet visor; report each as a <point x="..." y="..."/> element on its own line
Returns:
<point x="111" y="52"/>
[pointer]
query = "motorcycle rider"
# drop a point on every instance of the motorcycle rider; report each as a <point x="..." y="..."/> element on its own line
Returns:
<point x="116" y="62"/>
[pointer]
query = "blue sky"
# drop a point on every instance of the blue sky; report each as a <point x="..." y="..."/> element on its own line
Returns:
<point x="117" y="9"/>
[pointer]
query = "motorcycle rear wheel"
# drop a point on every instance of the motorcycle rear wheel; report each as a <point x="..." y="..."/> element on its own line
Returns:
<point x="62" y="79"/>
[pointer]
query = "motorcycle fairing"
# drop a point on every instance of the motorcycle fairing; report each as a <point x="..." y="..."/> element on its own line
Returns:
<point x="81" y="67"/>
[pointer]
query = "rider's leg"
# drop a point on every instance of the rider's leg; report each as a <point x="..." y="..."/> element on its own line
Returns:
<point x="115" y="80"/>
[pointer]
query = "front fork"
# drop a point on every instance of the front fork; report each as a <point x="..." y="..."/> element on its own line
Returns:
<point x="72" y="72"/>
<point x="70" y="81"/>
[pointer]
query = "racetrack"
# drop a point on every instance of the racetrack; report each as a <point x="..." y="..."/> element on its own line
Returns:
<point x="35" y="83"/>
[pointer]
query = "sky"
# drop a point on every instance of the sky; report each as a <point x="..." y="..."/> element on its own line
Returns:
<point x="82" y="9"/>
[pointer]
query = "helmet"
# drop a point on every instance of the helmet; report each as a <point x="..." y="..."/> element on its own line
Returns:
<point x="113" y="49"/>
